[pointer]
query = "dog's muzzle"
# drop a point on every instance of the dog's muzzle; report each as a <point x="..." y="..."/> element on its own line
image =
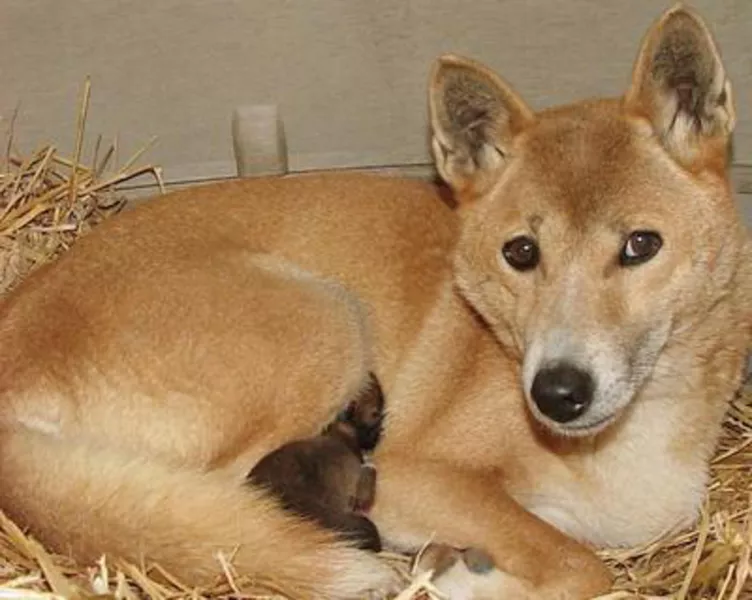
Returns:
<point x="562" y="392"/>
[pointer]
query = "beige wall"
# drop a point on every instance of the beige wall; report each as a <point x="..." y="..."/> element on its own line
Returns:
<point x="349" y="75"/>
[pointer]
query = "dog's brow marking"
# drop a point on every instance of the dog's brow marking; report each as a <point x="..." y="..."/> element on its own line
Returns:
<point x="535" y="221"/>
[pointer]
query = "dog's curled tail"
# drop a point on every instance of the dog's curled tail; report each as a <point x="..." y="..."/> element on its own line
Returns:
<point x="74" y="495"/>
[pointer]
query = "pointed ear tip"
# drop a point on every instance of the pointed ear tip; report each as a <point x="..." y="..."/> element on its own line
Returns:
<point x="683" y="19"/>
<point x="444" y="63"/>
<point x="682" y="10"/>
<point x="677" y="7"/>
<point x="452" y="58"/>
<point x="448" y="60"/>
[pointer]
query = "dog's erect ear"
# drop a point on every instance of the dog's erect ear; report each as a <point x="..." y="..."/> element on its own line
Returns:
<point x="679" y="83"/>
<point x="474" y="117"/>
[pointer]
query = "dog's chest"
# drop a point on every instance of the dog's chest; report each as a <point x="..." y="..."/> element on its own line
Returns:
<point x="625" y="495"/>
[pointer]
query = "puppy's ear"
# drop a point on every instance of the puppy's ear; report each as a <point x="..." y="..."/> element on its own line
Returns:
<point x="474" y="118"/>
<point x="680" y="85"/>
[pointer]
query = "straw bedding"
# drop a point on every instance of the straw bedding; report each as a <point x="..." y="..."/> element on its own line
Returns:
<point x="48" y="201"/>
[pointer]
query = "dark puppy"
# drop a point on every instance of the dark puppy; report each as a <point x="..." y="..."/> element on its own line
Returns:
<point x="324" y="477"/>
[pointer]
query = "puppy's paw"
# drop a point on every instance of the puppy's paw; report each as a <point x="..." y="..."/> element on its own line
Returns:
<point x="365" y="492"/>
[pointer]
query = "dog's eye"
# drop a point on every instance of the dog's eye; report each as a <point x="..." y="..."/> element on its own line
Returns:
<point x="640" y="247"/>
<point x="521" y="253"/>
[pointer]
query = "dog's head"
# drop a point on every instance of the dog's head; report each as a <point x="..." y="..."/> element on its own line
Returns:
<point x="593" y="233"/>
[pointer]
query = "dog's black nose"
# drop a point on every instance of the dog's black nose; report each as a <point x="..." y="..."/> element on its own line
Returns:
<point x="562" y="392"/>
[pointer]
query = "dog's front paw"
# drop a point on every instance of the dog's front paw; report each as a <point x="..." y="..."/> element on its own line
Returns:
<point x="478" y="561"/>
<point x="437" y="558"/>
<point x="468" y="574"/>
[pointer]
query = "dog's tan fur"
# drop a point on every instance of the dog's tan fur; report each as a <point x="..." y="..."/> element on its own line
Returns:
<point x="145" y="372"/>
